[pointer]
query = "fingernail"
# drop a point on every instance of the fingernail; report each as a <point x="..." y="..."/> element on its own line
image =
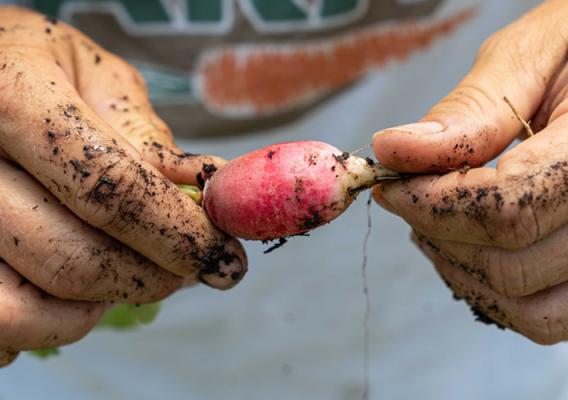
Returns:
<point x="227" y="270"/>
<point x="418" y="127"/>
<point x="227" y="275"/>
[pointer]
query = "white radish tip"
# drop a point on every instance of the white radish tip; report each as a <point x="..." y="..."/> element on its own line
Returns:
<point x="364" y="173"/>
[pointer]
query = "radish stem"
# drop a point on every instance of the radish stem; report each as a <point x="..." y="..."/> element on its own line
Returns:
<point x="192" y="191"/>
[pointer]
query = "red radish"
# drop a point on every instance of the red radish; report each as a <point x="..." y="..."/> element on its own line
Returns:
<point x="286" y="189"/>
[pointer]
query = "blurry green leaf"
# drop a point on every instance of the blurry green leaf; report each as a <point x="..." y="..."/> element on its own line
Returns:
<point x="45" y="353"/>
<point x="192" y="191"/>
<point x="128" y="316"/>
<point x="146" y="313"/>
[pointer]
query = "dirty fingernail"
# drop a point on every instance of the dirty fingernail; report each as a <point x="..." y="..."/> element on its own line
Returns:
<point x="418" y="127"/>
<point x="227" y="270"/>
<point x="227" y="275"/>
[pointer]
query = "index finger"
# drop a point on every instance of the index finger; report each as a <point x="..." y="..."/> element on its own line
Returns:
<point x="49" y="130"/>
<point x="520" y="202"/>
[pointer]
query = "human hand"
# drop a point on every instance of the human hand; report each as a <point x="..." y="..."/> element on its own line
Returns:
<point x="89" y="209"/>
<point x="496" y="236"/>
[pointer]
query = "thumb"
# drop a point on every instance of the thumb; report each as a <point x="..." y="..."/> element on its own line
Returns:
<point x="473" y="124"/>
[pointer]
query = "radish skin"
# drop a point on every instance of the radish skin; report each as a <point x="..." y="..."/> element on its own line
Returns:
<point x="285" y="189"/>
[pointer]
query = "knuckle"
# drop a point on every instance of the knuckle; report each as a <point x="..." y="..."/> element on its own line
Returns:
<point x="489" y="45"/>
<point x="505" y="219"/>
<point x="511" y="45"/>
<point x="106" y="272"/>
<point x="468" y="98"/>
<point x="544" y="42"/>
<point x="508" y="274"/>
<point x="104" y="195"/>
<point x="523" y="229"/>
<point x="514" y="224"/>
<point x="125" y="70"/>
<point x="68" y="280"/>
<point x="498" y="273"/>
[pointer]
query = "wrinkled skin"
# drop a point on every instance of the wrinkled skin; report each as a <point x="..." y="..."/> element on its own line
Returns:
<point x="496" y="235"/>
<point x="89" y="210"/>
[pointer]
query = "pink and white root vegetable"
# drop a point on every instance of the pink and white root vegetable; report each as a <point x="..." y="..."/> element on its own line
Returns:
<point x="286" y="189"/>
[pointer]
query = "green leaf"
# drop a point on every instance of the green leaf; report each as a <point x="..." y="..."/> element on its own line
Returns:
<point x="45" y="353"/>
<point x="146" y="313"/>
<point x="128" y="316"/>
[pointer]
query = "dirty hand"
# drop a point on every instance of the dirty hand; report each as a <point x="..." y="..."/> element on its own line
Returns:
<point x="89" y="209"/>
<point x="497" y="236"/>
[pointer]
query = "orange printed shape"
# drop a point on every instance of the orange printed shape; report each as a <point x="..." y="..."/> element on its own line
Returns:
<point x="256" y="80"/>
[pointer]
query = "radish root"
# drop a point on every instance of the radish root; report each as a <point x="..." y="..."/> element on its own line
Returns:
<point x="525" y="124"/>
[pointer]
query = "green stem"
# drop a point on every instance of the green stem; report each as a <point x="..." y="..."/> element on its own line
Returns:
<point x="192" y="191"/>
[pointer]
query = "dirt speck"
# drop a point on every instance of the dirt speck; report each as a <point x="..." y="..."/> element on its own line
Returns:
<point x="342" y="158"/>
<point x="104" y="188"/>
